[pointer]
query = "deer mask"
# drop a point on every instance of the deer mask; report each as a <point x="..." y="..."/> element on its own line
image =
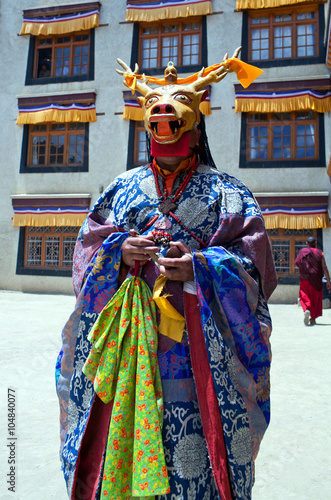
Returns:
<point x="172" y="110"/>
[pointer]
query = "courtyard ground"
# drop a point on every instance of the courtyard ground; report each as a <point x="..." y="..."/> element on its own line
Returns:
<point x="294" y="461"/>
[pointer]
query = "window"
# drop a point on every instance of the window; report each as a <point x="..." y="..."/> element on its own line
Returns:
<point x="140" y="148"/>
<point x="137" y="146"/>
<point x="62" y="55"/>
<point x="55" y="147"/>
<point x="275" y="136"/>
<point x="61" y="58"/>
<point x="177" y="41"/>
<point x="282" y="34"/>
<point x="293" y="139"/>
<point x="286" y="244"/>
<point x="47" y="250"/>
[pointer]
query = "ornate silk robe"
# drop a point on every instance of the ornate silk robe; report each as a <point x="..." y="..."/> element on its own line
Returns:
<point x="215" y="382"/>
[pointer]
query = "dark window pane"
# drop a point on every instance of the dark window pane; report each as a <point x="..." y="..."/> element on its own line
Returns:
<point x="52" y="247"/>
<point x="34" y="246"/>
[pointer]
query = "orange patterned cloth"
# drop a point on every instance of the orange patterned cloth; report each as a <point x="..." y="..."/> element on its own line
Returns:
<point x="123" y="366"/>
<point x="169" y="176"/>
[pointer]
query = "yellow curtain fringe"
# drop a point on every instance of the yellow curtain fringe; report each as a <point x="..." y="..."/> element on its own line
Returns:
<point x="287" y="221"/>
<point x="148" y="15"/>
<point x="60" y="27"/>
<point x="286" y="104"/>
<point x="205" y="108"/>
<point x="131" y="113"/>
<point x="42" y="220"/>
<point x="267" y="4"/>
<point x="58" y="116"/>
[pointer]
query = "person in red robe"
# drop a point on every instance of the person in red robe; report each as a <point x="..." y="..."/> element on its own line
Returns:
<point x="312" y="268"/>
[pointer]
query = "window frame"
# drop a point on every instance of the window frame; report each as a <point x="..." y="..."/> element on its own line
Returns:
<point x="72" y="43"/>
<point x="292" y="61"/>
<point x="293" y="278"/>
<point x="26" y="153"/>
<point x="32" y="79"/>
<point x="21" y="267"/>
<point x="160" y="35"/>
<point x="280" y="162"/>
<point x="139" y="127"/>
<point x="136" y="46"/>
<point x="270" y="123"/>
<point x="131" y="162"/>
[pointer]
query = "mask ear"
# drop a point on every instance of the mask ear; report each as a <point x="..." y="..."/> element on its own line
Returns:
<point x="141" y="101"/>
<point x="203" y="94"/>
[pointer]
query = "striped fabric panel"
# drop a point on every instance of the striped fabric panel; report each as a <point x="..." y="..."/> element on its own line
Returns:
<point x="60" y="19"/>
<point x="283" y="94"/>
<point x="294" y="210"/>
<point x="51" y="210"/>
<point x="166" y="9"/>
<point x="163" y="3"/>
<point x="44" y="107"/>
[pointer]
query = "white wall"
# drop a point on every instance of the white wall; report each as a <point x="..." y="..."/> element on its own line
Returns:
<point x="109" y="135"/>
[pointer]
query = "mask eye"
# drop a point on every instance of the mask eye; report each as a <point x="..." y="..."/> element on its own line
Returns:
<point x="151" y="101"/>
<point x="183" y="98"/>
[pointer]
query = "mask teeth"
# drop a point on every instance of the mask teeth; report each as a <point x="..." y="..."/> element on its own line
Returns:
<point x="161" y="128"/>
<point x="175" y="126"/>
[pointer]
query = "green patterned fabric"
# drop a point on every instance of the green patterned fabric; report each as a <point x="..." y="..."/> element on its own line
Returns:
<point x="124" y="368"/>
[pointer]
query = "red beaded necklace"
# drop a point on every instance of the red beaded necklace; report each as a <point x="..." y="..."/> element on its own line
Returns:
<point x="168" y="204"/>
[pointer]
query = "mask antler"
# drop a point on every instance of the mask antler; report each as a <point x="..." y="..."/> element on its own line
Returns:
<point x="130" y="75"/>
<point x="214" y="76"/>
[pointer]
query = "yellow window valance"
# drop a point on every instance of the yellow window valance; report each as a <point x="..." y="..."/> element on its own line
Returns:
<point x="148" y="11"/>
<point x="42" y="220"/>
<point x="132" y="109"/>
<point x="270" y="4"/>
<point x="40" y="22"/>
<point x="50" y="210"/>
<point x="57" y="108"/>
<point x="295" y="211"/>
<point x="283" y="101"/>
<point x="288" y="221"/>
<point x="56" y="113"/>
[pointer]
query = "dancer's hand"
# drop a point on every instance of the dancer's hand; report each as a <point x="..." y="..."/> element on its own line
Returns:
<point x="138" y="248"/>
<point x="180" y="267"/>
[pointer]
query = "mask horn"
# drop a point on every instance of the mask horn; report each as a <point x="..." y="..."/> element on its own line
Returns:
<point x="215" y="76"/>
<point x="142" y="87"/>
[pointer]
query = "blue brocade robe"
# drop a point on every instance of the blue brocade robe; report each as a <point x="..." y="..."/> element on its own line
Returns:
<point x="234" y="276"/>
